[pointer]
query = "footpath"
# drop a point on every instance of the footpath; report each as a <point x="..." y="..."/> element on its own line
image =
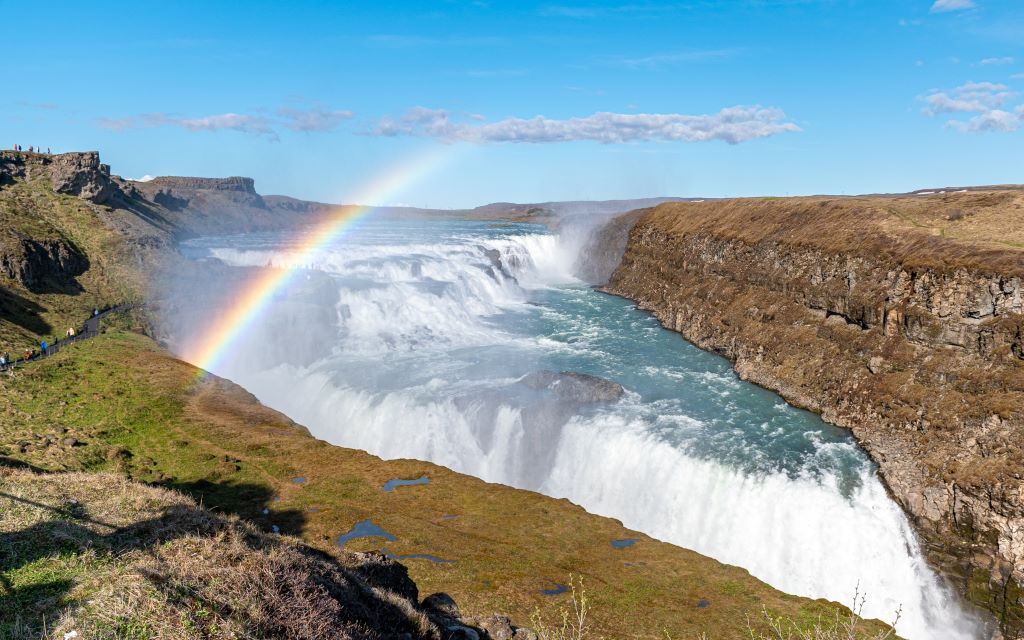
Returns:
<point x="89" y="329"/>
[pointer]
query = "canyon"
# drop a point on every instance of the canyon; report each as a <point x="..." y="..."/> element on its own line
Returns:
<point x="899" y="318"/>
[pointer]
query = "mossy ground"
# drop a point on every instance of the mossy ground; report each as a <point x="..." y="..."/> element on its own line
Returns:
<point x="133" y="409"/>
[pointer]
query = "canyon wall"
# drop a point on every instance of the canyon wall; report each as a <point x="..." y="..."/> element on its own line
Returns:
<point x="899" y="318"/>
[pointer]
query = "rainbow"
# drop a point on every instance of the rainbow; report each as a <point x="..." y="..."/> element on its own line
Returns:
<point x="209" y="349"/>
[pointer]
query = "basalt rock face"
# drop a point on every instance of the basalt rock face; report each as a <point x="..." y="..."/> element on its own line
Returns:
<point x="604" y="248"/>
<point x="913" y="343"/>
<point x="82" y="175"/>
<point x="41" y="266"/>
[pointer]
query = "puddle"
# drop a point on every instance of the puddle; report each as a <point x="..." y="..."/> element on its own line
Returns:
<point x="449" y="516"/>
<point x="703" y="604"/>
<point x="624" y="543"/>
<point x="394" y="483"/>
<point x="299" y="480"/>
<point x="558" y="589"/>
<point x="313" y="509"/>
<point x="365" y="529"/>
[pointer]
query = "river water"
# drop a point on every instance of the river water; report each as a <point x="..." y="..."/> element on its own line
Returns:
<point x="410" y="339"/>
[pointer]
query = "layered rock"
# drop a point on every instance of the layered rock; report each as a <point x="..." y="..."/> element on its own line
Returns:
<point x="82" y="175"/>
<point x="41" y="264"/>
<point x="864" y="312"/>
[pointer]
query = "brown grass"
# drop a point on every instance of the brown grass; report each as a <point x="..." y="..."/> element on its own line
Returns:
<point x="981" y="230"/>
<point x="138" y="561"/>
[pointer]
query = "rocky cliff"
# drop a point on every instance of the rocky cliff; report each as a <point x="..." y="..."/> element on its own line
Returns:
<point x="899" y="318"/>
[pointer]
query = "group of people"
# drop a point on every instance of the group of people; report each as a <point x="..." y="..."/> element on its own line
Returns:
<point x="44" y="348"/>
<point x="32" y="149"/>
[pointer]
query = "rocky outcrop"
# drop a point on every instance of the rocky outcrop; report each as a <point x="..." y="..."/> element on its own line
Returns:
<point x="604" y="248"/>
<point x="83" y="176"/>
<point x="233" y="183"/>
<point x="41" y="265"/>
<point x="912" y="343"/>
<point x="576" y="388"/>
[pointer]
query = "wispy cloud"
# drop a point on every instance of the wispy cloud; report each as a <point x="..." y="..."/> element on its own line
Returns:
<point x="602" y="11"/>
<point x="997" y="61"/>
<point x="732" y="125"/>
<point x="669" y="58"/>
<point x="493" y="73"/>
<point x="943" y="6"/>
<point x="46" y="106"/>
<point x="987" y="100"/>
<point x="315" y="118"/>
<point x="402" y="41"/>
<point x="312" y="119"/>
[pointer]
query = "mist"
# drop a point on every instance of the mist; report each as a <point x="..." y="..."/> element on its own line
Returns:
<point x="480" y="345"/>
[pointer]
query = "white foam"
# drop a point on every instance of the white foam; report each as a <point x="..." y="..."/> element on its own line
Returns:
<point x="403" y="309"/>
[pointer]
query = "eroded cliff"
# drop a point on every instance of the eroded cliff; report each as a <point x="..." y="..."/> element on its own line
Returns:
<point x="897" y="317"/>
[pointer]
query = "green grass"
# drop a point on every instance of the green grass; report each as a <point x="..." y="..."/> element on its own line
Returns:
<point x="142" y="413"/>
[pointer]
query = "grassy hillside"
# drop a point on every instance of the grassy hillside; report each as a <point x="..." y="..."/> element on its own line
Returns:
<point x="111" y="246"/>
<point x="120" y="404"/>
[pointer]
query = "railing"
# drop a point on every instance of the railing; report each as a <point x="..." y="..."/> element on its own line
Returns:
<point x="89" y="329"/>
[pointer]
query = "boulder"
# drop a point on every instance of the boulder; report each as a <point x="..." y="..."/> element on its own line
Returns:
<point x="579" y="388"/>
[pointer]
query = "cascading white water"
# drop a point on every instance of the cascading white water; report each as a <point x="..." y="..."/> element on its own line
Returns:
<point x="423" y="332"/>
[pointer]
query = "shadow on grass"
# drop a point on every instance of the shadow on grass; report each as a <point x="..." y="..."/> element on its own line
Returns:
<point x="23" y="312"/>
<point x="225" y="569"/>
<point x="246" y="500"/>
<point x="14" y="463"/>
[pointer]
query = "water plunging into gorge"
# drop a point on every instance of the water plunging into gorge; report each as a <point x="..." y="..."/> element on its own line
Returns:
<point x="413" y="339"/>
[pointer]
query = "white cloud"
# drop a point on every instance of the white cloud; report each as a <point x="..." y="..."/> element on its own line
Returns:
<point x="231" y="121"/>
<point x="732" y="125"/>
<point x="995" y="120"/>
<point x="987" y="100"/>
<point x="967" y="98"/>
<point x="1002" y="60"/>
<point x="313" y="119"/>
<point x="145" y="178"/>
<point x="941" y="6"/>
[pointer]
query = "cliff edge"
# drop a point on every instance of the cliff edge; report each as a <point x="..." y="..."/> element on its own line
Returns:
<point x="898" y="317"/>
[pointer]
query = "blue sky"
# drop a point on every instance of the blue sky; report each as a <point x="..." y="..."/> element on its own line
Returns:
<point x="528" y="101"/>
